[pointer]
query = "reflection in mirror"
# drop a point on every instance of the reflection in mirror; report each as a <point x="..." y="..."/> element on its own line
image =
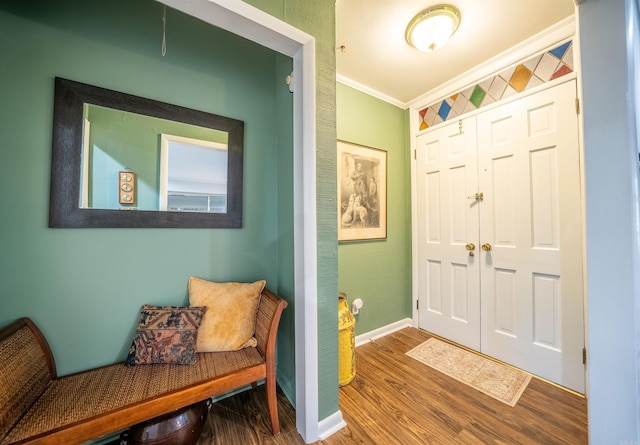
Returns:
<point x="164" y="165"/>
<point x="193" y="175"/>
<point x="171" y="166"/>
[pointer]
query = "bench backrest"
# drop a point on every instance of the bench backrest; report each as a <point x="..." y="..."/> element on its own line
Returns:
<point x="26" y="368"/>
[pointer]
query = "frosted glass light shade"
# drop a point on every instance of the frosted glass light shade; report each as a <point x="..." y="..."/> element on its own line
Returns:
<point x="432" y="28"/>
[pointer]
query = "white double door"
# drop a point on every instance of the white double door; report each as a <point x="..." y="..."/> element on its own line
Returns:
<point x="499" y="234"/>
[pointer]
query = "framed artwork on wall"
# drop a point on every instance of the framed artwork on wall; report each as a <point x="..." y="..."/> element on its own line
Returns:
<point x="362" y="192"/>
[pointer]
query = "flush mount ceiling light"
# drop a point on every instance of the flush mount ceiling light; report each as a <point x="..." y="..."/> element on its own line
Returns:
<point x="432" y="28"/>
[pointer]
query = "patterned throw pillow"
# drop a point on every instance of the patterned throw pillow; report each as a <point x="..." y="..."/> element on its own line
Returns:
<point x="166" y="334"/>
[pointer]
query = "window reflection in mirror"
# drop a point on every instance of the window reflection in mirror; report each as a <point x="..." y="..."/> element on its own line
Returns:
<point x="177" y="166"/>
<point x="193" y="175"/>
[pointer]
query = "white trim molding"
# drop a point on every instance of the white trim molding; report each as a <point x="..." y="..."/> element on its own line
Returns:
<point x="370" y="91"/>
<point x="331" y="425"/>
<point x="305" y="242"/>
<point x="384" y="330"/>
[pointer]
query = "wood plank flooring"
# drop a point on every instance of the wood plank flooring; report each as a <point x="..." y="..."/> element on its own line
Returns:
<point x="395" y="399"/>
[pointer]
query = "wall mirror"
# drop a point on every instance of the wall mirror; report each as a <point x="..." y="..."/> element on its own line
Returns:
<point x="120" y="160"/>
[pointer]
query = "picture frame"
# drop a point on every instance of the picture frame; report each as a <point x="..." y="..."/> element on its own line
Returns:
<point x="362" y="192"/>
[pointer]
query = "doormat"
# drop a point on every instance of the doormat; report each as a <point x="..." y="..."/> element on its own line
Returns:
<point x="499" y="381"/>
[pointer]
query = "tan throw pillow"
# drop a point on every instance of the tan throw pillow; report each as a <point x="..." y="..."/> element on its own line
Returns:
<point x="230" y="320"/>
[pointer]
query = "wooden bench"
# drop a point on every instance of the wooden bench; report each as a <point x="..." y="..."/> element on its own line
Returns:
<point x="37" y="407"/>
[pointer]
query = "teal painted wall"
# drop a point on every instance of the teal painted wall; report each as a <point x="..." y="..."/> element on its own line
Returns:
<point x="317" y="18"/>
<point x="283" y="142"/>
<point x="84" y="287"/>
<point x="379" y="271"/>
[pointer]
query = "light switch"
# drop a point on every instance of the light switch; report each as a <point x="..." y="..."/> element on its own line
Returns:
<point x="127" y="188"/>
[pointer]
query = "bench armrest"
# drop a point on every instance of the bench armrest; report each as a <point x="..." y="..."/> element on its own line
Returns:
<point x="27" y="368"/>
<point x="267" y="321"/>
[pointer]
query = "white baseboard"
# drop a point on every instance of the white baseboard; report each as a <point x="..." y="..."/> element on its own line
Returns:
<point x="331" y="425"/>
<point x="384" y="330"/>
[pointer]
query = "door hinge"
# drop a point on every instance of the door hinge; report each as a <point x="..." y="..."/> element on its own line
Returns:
<point x="417" y="305"/>
<point x="415" y="155"/>
<point x="584" y="356"/>
<point x="577" y="106"/>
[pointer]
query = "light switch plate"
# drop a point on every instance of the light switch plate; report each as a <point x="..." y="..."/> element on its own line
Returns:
<point x="127" y="188"/>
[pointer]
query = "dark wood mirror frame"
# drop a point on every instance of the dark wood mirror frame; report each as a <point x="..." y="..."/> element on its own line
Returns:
<point x="64" y="205"/>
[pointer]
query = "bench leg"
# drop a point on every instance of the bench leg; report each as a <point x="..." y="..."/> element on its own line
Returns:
<point x="272" y="401"/>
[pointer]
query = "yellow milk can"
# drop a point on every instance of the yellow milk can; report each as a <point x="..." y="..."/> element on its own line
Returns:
<point x="346" y="342"/>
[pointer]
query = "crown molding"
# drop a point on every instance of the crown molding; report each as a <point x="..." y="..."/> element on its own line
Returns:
<point x="370" y="91"/>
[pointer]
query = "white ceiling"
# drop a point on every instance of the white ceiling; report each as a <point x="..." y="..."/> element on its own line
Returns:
<point x="377" y="56"/>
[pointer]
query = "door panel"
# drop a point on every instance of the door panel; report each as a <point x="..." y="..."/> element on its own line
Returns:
<point x="448" y="277"/>
<point x="531" y="279"/>
<point x="504" y="318"/>
<point x="503" y="221"/>
<point x="544" y="198"/>
<point x="434" y="287"/>
<point x="546" y="311"/>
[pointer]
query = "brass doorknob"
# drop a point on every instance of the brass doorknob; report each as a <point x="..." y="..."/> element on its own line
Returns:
<point x="486" y="247"/>
<point x="470" y="247"/>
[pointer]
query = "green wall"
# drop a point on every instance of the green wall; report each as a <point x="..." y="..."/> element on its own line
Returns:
<point x="379" y="271"/>
<point x="84" y="287"/>
<point x="74" y="283"/>
<point x="317" y="18"/>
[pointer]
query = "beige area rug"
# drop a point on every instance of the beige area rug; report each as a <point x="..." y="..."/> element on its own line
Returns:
<point x="499" y="381"/>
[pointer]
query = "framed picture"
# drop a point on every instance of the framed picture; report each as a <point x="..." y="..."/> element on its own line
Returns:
<point x="362" y="192"/>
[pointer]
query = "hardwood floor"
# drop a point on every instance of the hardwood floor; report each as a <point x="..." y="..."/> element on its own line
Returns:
<point x="395" y="399"/>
